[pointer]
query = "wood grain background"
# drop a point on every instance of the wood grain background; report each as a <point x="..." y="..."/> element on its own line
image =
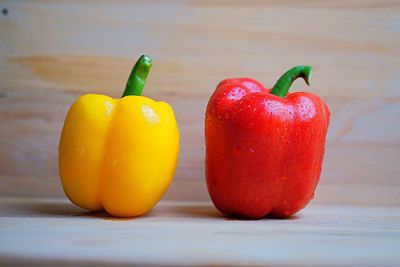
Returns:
<point x="53" y="51"/>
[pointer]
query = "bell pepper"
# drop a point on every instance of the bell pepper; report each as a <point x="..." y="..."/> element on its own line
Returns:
<point x="119" y="154"/>
<point x="264" y="148"/>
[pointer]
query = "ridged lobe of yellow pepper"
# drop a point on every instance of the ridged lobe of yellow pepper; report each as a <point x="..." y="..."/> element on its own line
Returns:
<point x="118" y="154"/>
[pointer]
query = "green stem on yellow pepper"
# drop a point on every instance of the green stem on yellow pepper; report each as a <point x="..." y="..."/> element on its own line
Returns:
<point x="138" y="76"/>
<point x="282" y="86"/>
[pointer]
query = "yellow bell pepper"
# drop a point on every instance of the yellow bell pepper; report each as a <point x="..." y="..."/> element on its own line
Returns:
<point x="119" y="154"/>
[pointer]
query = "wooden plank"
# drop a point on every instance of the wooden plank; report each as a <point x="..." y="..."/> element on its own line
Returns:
<point x="52" y="52"/>
<point x="51" y="231"/>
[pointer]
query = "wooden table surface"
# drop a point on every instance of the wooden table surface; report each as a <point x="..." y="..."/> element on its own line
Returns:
<point x="45" y="232"/>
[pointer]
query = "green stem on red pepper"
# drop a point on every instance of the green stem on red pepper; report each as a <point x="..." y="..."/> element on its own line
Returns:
<point x="138" y="76"/>
<point x="282" y="86"/>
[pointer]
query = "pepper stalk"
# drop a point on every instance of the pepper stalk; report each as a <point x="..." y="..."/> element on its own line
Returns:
<point x="138" y="76"/>
<point x="282" y="86"/>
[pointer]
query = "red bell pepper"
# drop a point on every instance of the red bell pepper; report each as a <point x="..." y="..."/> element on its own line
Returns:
<point x="264" y="148"/>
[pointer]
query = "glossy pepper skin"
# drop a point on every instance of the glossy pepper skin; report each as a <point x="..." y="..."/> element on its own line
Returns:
<point x="264" y="149"/>
<point x="119" y="154"/>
